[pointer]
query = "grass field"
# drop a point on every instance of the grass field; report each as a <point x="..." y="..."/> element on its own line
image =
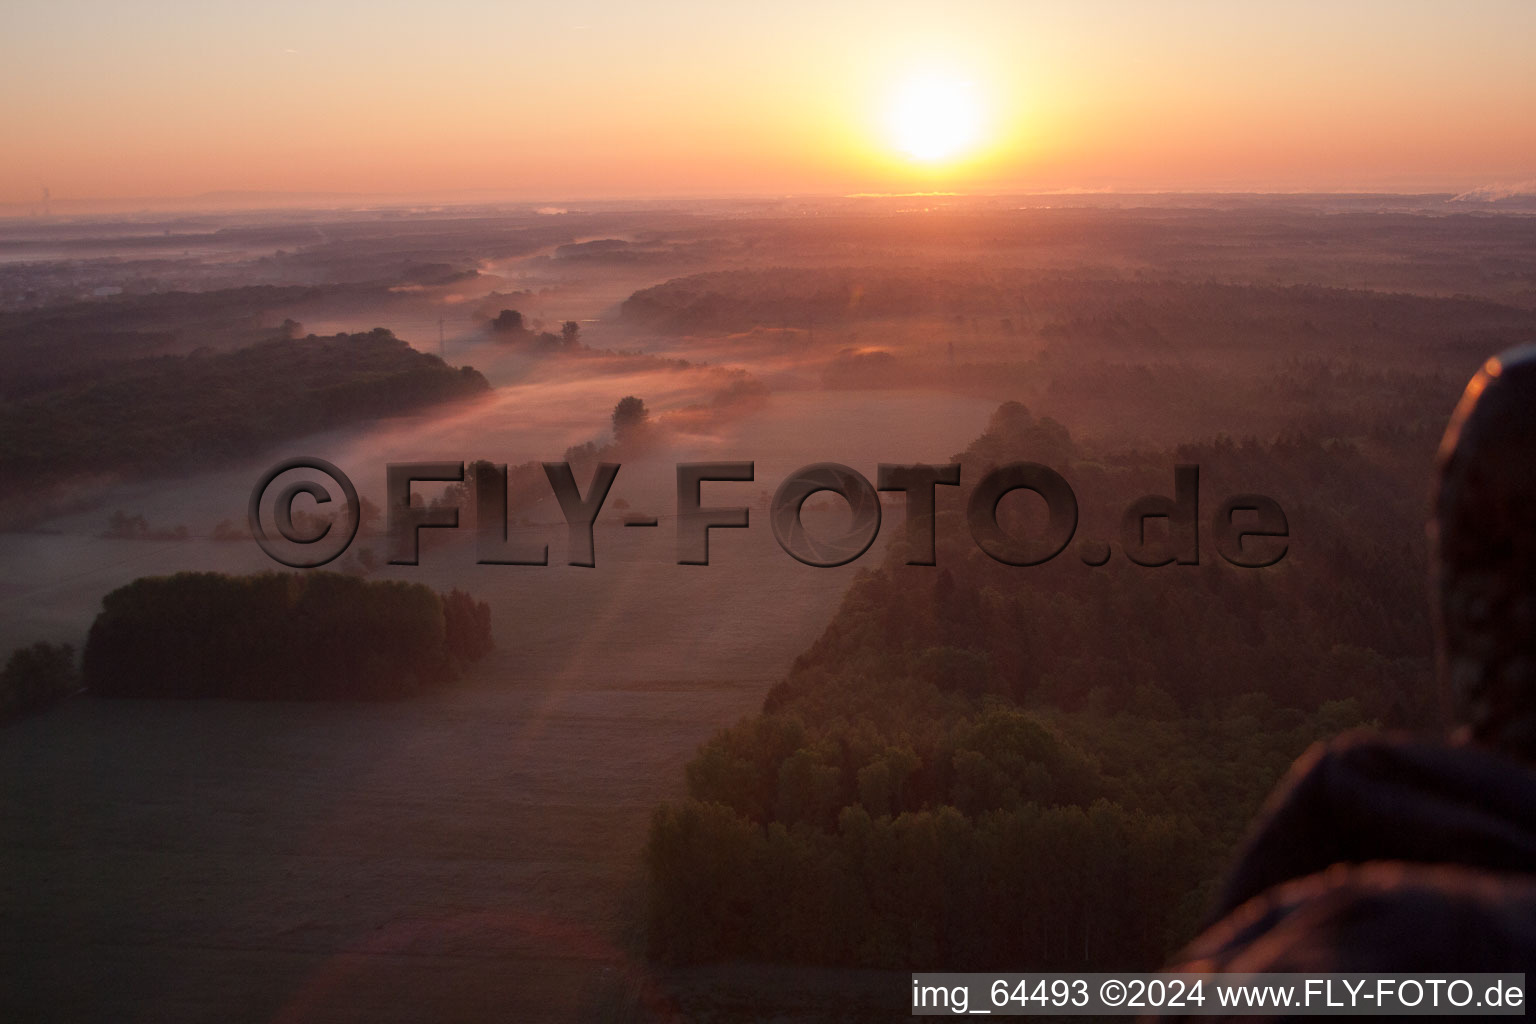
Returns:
<point x="472" y="857"/>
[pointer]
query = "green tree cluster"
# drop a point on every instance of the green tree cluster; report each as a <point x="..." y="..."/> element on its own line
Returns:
<point x="175" y="413"/>
<point x="980" y="766"/>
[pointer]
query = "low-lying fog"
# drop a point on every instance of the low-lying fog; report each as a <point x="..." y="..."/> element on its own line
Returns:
<point x="760" y="402"/>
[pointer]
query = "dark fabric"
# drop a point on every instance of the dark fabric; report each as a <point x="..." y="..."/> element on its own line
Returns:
<point x="1364" y="798"/>
<point x="1378" y="917"/>
<point x="1383" y="855"/>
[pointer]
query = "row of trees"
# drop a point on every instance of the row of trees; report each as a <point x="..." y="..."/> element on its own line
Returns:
<point x="510" y="326"/>
<point x="282" y="636"/>
<point x="1042" y="887"/>
<point x="1093" y="306"/>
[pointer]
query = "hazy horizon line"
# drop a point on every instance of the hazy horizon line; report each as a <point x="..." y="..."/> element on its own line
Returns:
<point x="252" y="200"/>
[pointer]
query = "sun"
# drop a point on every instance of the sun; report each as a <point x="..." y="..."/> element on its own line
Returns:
<point x="934" y="117"/>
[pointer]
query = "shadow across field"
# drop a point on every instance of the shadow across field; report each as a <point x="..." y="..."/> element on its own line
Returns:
<point x="468" y="857"/>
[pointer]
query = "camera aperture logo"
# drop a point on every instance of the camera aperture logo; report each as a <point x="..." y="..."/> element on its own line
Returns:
<point x="1247" y="530"/>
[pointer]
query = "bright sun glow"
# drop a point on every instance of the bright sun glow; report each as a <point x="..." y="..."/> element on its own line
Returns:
<point x="935" y="117"/>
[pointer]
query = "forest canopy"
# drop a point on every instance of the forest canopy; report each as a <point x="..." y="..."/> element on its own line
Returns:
<point x="174" y="413"/>
<point x="984" y="767"/>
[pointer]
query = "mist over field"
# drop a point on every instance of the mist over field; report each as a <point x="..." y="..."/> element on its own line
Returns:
<point x="695" y="513"/>
<point x="525" y="838"/>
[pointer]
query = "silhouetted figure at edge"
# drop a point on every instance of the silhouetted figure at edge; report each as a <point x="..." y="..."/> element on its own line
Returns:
<point x="1380" y="854"/>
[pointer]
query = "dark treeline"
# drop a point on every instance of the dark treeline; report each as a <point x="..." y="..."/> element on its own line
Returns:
<point x="979" y="765"/>
<point x="35" y="677"/>
<point x="61" y="344"/>
<point x="1086" y="307"/>
<point x="285" y="636"/>
<point x="173" y="413"/>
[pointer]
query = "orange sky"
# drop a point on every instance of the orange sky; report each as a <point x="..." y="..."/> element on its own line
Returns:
<point x="588" y="98"/>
